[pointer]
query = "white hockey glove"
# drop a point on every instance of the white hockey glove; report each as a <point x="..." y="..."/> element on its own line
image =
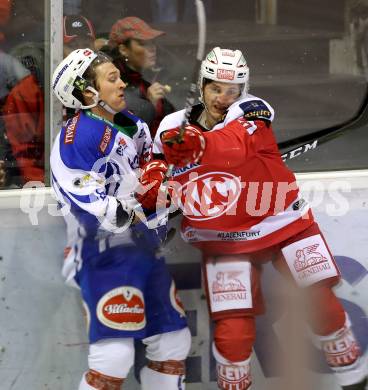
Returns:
<point x="120" y="214"/>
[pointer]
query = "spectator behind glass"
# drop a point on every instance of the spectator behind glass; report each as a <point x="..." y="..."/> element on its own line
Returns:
<point x="21" y="107"/>
<point x="24" y="114"/>
<point x="5" y="7"/>
<point x="72" y="7"/>
<point x="78" y="32"/>
<point x="132" y="46"/>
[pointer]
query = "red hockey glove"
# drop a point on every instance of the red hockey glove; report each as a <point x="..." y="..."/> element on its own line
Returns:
<point x="153" y="173"/>
<point x="183" y="150"/>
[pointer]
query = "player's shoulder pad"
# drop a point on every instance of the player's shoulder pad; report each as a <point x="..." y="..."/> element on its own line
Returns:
<point x="84" y="140"/>
<point x="128" y="123"/>
<point x="254" y="108"/>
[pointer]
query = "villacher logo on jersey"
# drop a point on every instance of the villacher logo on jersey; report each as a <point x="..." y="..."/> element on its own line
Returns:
<point x="122" y="308"/>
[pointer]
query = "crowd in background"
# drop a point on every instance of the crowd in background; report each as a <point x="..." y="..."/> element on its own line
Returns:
<point x="127" y="33"/>
<point x="129" y="40"/>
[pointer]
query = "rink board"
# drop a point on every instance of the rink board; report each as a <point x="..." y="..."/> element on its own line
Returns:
<point x="43" y="343"/>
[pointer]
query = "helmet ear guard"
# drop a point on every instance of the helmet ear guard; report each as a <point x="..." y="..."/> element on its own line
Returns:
<point x="226" y="66"/>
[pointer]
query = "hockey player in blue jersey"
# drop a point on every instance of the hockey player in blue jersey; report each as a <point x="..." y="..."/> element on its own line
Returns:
<point x="127" y="290"/>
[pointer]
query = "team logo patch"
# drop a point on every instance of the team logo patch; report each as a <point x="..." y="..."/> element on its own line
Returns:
<point x="121" y="147"/>
<point x="122" y="308"/>
<point x="106" y="138"/>
<point x="86" y="180"/>
<point x="175" y="300"/>
<point x="225" y="74"/>
<point x="209" y="196"/>
<point x="229" y="285"/>
<point x="256" y="109"/>
<point x="81" y="182"/>
<point x="309" y="260"/>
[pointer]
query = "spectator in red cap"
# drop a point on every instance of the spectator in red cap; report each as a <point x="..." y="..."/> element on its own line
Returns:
<point x="132" y="46"/>
<point x="78" y="33"/>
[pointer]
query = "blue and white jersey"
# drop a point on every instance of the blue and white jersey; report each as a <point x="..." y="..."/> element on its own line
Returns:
<point x="126" y="288"/>
<point x="93" y="163"/>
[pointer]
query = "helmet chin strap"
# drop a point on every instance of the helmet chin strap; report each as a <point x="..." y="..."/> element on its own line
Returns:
<point x="106" y="107"/>
<point x="98" y="101"/>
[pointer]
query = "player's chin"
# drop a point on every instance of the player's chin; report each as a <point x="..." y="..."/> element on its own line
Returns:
<point x="217" y="115"/>
<point x="120" y="105"/>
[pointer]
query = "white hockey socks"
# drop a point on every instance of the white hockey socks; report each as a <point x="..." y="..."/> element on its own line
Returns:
<point x="343" y="355"/>
<point x="167" y="375"/>
<point x="232" y="375"/>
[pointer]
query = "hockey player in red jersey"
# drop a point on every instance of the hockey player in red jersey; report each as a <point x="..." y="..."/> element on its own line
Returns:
<point x="238" y="200"/>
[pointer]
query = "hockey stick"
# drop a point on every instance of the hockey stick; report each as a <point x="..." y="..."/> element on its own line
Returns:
<point x="295" y="147"/>
<point x="163" y="214"/>
<point x="201" y="20"/>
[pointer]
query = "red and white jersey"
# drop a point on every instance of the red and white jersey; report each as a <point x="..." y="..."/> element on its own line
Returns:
<point x="241" y="197"/>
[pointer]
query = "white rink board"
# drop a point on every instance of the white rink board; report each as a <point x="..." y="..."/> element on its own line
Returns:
<point x="43" y="344"/>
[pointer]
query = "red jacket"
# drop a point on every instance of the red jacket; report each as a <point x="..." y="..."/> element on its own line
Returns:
<point x="25" y="127"/>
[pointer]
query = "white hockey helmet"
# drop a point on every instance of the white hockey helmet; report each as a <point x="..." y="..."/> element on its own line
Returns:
<point x="226" y="66"/>
<point x="68" y="77"/>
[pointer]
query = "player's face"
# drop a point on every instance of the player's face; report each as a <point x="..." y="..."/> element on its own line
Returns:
<point x="141" y="54"/>
<point x="110" y="86"/>
<point x="218" y="97"/>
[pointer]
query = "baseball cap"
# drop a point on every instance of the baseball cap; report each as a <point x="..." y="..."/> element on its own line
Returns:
<point x="77" y="26"/>
<point x="132" y="27"/>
